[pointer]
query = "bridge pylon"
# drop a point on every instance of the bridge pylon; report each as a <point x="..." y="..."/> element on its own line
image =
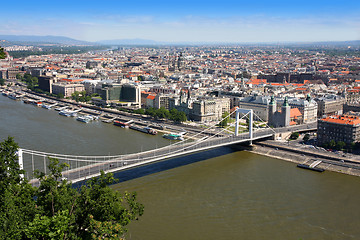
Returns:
<point x="250" y="114"/>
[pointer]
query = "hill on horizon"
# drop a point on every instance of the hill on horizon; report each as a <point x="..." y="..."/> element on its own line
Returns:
<point x="61" y="40"/>
<point x="24" y="39"/>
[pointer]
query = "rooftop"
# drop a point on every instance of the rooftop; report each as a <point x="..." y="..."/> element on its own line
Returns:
<point x="342" y="119"/>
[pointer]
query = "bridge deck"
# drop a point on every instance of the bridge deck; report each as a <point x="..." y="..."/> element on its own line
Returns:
<point x="181" y="148"/>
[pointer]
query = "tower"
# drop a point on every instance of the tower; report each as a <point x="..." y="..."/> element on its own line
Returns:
<point x="285" y="113"/>
<point x="271" y="111"/>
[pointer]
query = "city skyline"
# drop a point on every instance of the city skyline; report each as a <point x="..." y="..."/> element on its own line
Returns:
<point x="186" y="21"/>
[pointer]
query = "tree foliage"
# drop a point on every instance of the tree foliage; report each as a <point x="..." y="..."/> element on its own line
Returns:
<point x="81" y="96"/>
<point x="32" y="82"/>
<point x="56" y="210"/>
<point x="306" y="137"/>
<point x="294" y="135"/>
<point x="162" y="113"/>
<point x="226" y="119"/>
<point x="2" y="53"/>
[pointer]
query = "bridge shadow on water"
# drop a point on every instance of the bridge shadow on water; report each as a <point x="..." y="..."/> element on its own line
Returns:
<point x="163" y="165"/>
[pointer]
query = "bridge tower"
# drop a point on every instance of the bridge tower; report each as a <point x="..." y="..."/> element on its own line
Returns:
<point x="21" y="161"/>
<point x="250" y="114"/>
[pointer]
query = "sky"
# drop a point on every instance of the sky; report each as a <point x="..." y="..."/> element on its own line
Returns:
<point x="185" y="20"/>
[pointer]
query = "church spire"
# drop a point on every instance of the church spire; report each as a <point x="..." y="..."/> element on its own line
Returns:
<point x="286" y="102"/>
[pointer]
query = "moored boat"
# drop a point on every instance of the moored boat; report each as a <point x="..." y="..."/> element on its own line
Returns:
<point x="120" y="124"/>
<point x="304" y="166"/>
<point x="147" y="130"/>
<point x="85" y="119"/>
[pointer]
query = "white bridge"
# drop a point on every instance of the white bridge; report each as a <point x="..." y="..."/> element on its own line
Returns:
<point x="85" y="167"/>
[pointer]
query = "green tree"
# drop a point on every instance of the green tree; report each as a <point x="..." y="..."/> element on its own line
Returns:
<point x="2" y="53"/>
<point x="19" y="76"/>
<point x="151" y="112"/>
<point x="162" y="113"/>
<point x="340" y="145"/>
<point x="306" y="137"/>
<point x="332" y="144"/>
<point x="17" y="207"/>
<point x="75" y="96"/>
<point x="177" y="116"/>
<point x="60" y="95"/>
<point x="294" y="135"/>
<point x="2" y="81"/>
<point x="140" y="111"/>
<point x="226" y="119"/>
<point x="56" y="210"/>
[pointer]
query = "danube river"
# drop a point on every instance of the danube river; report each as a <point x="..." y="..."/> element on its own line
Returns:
<point x="220" y="194"/>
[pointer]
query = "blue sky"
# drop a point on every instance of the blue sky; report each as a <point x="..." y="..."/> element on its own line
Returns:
<point x="190" y="21"/>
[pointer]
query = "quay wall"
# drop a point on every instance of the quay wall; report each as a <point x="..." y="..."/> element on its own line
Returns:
<point x="296" y="155"/>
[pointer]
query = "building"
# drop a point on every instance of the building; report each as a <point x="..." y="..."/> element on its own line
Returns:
<point x="120" y="92"/>
<point x="150" y="101"/>
<point x="12" y="72"/>
<point x="92" y="64"/>
<point x="162" y="100"/>
<point x="90" y="86"/>
<point x="308" y="108"/>
<point x="45" y="83"/>
<point x="345" y="128"/>
<point x="67" y="88"/>
<point x="279" y="118"/>
<point x="206" y="110"/>
<point x="259" y="105"/>
<point x="330" y="105"/>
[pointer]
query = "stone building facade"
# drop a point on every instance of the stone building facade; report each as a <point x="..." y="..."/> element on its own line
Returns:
<point x="344" y="128"/>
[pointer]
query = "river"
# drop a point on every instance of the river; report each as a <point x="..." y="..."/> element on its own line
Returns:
<point x="219" y="194"/>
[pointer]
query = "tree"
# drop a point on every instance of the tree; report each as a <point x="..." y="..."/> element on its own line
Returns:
<point x="19" y="76"/>
<point x="56" y="210"/>
<point x="294" y="135"/>
<point x="226" y="119"/>
<point x="332" y="144"/>
<point x="162" y="113"/>
<point x="140" y="111"/>
<point x="2" y="53"/>
<point x="2" y="81"/>
<point x="60" y="95"/>
<point x="150" y="112"/>
<point x="17" y="206"/>
<point x="177" y="116"/>
<point x="306" y="137"/>
<point x="340" y="145"/>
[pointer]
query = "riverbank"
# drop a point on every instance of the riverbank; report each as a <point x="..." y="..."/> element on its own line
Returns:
<point x="293" y="154"/>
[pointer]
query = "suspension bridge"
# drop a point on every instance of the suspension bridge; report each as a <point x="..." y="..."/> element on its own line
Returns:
<point x="81" y="168"/>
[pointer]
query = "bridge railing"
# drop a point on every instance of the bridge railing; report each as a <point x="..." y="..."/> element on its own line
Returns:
<point x="86" y="166"/>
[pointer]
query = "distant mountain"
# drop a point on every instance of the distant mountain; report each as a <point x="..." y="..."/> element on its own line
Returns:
<point x="60" y="40"/>
<point x="353" y="43"/>
<point x="135" y="41"/>
<point x="26" y="39"/>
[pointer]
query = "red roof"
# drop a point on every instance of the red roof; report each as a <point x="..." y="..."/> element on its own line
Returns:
<point x="294" y="113"/>
<point x="152" y="97"/>
<point x="292" y="123"/>
<point x="342" y="119"/>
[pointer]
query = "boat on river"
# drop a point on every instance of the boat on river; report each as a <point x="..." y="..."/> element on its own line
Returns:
<point x="316" y="169"/>
<point x="174" y="136"/>
<point x="147" y="130"/>
<point x="85" y="119"/>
